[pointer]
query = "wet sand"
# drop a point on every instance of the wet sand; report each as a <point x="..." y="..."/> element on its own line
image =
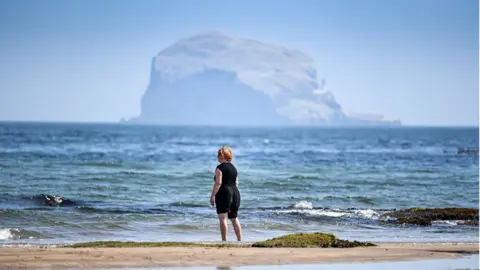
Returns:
<point x="58" y="258"/>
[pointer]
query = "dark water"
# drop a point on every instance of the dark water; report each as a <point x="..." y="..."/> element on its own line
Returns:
<point x="154" y="183"/>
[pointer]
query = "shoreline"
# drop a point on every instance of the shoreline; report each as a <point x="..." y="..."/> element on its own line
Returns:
<point x="171" y="256"/>
<point x="231" y="243"/>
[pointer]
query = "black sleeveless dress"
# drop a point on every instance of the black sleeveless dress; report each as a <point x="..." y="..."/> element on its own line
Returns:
<point x="227" y="199"/>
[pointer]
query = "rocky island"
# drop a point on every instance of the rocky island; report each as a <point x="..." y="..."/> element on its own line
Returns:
<point x="216" y="79"/>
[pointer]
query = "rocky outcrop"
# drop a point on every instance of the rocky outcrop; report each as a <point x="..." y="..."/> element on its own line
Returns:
<point x="215" y="79"/>
<point x="53" y="200"/>
<point x="310" y="240"/>
<point x="425" y="216"/>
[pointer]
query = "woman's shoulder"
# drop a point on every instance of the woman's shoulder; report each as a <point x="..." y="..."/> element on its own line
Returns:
<point x="219" y="167"/>
<point x="225" y="165"/>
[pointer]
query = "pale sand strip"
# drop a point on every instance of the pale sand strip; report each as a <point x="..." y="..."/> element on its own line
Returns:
<point x="35" y="258"/>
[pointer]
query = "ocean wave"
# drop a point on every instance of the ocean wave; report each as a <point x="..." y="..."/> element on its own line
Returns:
<point x="403" y="148"/>
<point x="361" y="213"/>
<point x="18" y="233"/>
<point x="314" y="212"/>
<point x="28" y="155"/>
<point x="106" y="164"/>
<point x="106" y="152"/>
<point x="360" y="199"/>
<point x="302" y="205"/>
<point x="26" y="245"/>
<point x="188" y="204"/>
<point x="306" y="208"/>
<point x="96" y="210"/>
<point x="5" y="213"/>
<point x="187" y="227"/>
<point x="125" y="210"/>
<point x="453" y="222"/>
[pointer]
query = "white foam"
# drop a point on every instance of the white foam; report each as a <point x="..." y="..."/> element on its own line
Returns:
<point x="303" y="205"/>
<point x="7" y="233"/>
<point x="387" y="218"/>
<point x="448" y="222"/>
<point x="315" y="212"/>
<point x="17" y="245"/>
<point x="367" y="213"/>
<point x="329" y="213"/>
<point x="26" y="245"/>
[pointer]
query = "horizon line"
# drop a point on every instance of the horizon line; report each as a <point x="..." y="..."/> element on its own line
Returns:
<point x="403" y="125"/>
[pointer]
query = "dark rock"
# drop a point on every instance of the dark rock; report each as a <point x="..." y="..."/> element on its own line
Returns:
<point x="416" y="220"/>
<point x="53" y="200"/>
<point x="425" y="216"/>
<point x="467" y="151"/>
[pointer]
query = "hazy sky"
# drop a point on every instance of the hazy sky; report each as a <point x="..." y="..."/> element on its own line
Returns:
<point x="89" y="60"/>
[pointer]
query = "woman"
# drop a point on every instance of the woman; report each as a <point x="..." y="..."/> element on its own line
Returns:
<point x="225" y="194"/>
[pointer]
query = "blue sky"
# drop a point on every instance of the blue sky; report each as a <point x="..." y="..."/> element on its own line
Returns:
<point x="89" y="60"/>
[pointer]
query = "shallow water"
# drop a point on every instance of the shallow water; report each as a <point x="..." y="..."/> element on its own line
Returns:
<point x="147" y="183"/>
<point x="463" y="263"/>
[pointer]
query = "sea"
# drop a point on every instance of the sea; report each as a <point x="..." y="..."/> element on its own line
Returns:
<point x="153" y="183"/>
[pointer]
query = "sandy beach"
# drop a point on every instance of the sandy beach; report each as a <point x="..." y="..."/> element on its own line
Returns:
<point x="66" y="257"/>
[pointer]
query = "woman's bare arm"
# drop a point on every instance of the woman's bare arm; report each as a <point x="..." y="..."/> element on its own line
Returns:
<point x="236" y="182"/>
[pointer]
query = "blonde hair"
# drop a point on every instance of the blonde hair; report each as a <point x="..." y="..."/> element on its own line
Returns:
<point x="226" y="153"/>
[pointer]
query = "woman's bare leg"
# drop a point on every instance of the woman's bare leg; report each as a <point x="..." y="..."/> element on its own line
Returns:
<point x="237" y="227"/>
<point x="222" y="218"/>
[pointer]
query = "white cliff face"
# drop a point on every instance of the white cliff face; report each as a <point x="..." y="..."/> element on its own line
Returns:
<point x="270" y="69"/>
<point x="199" y="69"/>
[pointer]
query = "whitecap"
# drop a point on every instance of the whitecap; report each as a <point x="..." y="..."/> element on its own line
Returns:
<point x="7" y="234"/>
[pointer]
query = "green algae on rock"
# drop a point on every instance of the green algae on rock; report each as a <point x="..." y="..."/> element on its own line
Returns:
<point x="425" y="216"/>
<point x="307" y="240"/>
<point x="301" y="240"/>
